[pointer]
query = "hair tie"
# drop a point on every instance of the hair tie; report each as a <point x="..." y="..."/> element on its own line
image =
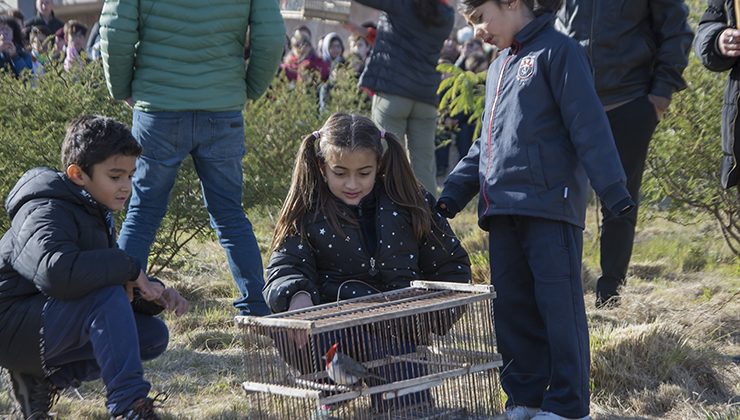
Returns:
<point x="316" y="134"/>
<point x="382" y="134"/>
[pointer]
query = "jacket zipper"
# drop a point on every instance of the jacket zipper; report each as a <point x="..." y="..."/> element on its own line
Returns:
<point x="490" y="127"/>
<point x="373" y="271"/>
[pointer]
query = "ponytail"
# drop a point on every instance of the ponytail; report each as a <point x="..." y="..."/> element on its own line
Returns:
<point x="402" y="186"/>
<point x="302" y="194"/>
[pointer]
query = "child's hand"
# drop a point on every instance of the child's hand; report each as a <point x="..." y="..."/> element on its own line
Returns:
<point x="172" y="301"/>
<point x="149" y="290"/>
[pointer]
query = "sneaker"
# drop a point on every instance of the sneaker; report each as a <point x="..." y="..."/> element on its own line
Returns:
<point x="518" y="412"/>
<point x="546" y="415"/>
<point x="607" y="292"/>
<point x="34" y="395"/>
<point x="141" y="409"/>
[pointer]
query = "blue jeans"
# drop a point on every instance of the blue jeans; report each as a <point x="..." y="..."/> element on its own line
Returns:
<point x="215" y="140"/>
<point x="99" y="336"/>
<point x="541" y="327"/>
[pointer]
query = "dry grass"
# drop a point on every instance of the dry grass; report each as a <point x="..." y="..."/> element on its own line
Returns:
<point x="666" y="352"/>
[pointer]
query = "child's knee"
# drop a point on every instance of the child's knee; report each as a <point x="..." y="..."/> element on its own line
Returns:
<point x="153" y="336"/>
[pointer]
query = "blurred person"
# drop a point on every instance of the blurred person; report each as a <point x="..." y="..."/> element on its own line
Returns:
<point x="358" y="52"/>
<point x="38" y="44"/>
<point x="76" y="35"/>
<point x="332" y="49"/>
<point x="638" y="55"/>
<point x="45" y="16"/>
<point x="13" y="56"/>
<point x="401" y="71"/>
<point x="190" y="104"/>
<point x="302" y="63"/>
<point x="718" y="47"/>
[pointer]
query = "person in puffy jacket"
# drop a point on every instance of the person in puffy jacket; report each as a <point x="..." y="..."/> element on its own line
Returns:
<point x="544" y="136"/>
<point x="638" y="50"/>
<point x="180" y="64"/>
<point x="402" y="73"/>
<point x="718" y="46"/>
<point x="65" y="315"/>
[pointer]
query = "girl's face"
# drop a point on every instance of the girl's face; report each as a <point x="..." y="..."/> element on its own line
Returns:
<point x="351" y="176"/>
<point x="495" y="23"/>
<point x="335" y="49"/>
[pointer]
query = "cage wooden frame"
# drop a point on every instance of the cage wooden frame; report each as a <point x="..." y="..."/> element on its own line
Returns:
<point x="363" y="312"/>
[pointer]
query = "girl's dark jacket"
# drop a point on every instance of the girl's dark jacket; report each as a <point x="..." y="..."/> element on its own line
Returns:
<point x="332" y="267"/>
<point x="403" y="61"/>
<point x="720" y="14"/>
<point x="60" y="245"/>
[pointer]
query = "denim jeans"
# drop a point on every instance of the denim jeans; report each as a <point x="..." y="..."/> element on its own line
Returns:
<point x="99" y="336"/>
<point x="215" y="140"/>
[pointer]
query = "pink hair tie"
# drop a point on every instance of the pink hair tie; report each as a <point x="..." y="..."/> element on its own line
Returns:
<point x="316" y="134"/>
<point x="382" y="134"/>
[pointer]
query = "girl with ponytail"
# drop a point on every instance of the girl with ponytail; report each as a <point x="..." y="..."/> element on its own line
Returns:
<point x="545" y="135"/>
<point x="356" y="221"/>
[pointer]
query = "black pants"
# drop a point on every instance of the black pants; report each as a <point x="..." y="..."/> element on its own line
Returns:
<point x="633" y="125"/>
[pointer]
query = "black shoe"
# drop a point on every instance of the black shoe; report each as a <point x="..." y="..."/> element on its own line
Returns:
<point x="142" y="409"/>
<point x="607" y="292"/>
<point x="34" y="395"/>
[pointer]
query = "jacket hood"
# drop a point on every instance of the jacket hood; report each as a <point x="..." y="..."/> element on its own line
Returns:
<point x="47" y="183"/>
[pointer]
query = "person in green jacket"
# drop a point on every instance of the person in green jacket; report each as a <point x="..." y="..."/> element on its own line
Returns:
<point x="180" y="65"/>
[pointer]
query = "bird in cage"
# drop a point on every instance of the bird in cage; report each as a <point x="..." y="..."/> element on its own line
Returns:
<point x="344" y="370"/>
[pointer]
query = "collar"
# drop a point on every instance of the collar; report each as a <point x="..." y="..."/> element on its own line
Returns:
<point x="531" y="30"/>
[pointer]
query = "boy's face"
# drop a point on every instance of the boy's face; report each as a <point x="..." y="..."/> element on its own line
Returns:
<point x="110" y="183"/>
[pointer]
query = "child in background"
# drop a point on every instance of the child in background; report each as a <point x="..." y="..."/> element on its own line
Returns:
<point x="545" y="134"/>
<point x="358" y="49"/>
<point x="65" y="287"/>
<point x="37" y="41"/>
<point x="75" y="34"/>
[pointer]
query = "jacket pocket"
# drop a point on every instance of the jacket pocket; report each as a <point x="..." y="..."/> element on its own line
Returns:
<point x="536" y="171"/>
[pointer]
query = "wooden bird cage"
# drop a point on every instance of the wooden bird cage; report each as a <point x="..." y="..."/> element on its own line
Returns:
<point x="332" y="10"/>
<point x="433" y="344"/>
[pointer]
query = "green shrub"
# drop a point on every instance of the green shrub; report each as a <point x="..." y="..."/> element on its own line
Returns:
<point x="34" y="114"/>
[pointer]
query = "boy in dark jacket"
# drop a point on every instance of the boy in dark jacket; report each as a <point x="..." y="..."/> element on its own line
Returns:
<point x="65" y="287"/>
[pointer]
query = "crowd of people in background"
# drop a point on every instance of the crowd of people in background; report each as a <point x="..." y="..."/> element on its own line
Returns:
<point x="29" y="45"/>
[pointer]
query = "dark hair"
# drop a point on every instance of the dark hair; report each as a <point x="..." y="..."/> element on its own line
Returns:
<point x="12" y="23"/>
<point x="428" y="11"/>
<point x="538" y="7"/>
<point x="72" y="28"/>
<point x="309" y="194"/>
<point x="17" y="14"/>
<point x="91" y="139"/>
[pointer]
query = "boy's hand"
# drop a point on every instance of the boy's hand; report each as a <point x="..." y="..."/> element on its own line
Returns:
<point x="171" y="300"/>
<point x="149" y="290"/>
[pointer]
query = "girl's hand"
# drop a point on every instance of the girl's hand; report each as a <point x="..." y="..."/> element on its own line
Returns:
<point x="729" y="42"/>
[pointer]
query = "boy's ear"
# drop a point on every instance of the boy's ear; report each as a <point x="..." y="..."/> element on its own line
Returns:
<point x="76" y="175"/>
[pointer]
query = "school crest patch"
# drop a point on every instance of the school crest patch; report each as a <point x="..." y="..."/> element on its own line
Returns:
<point x="526" y="68"/>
